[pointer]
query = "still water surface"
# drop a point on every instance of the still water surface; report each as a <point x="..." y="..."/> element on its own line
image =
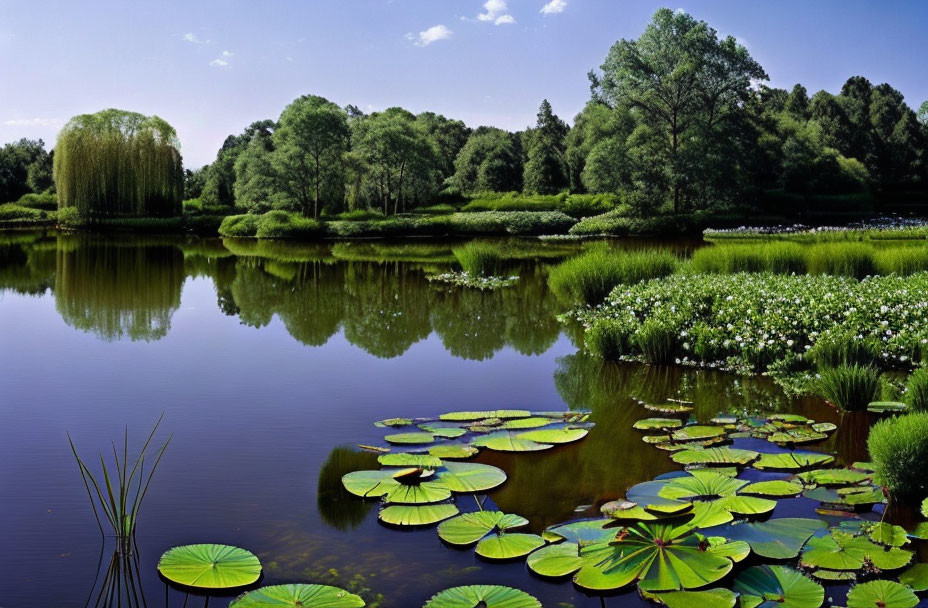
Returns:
<point x="269" y="362"/>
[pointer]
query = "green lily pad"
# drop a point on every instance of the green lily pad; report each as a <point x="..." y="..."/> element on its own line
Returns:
<point x="413" y="438"/>
<point x="310" y="596"/>
<point x="586" y="531"/>
<point x="843" y="551"/>
<point x="648" y="495"/>
<point x="470" y="477"/>
<point x="864" y="466"/>
<point x="445" y="432"/>
<point x="916" y="577"/>
<point x="834" y="477"/>
<point x="405" y="459"/>
<point x="210" y="566"/>
<point x="792" y="461"/>
<point x="925" y="508"/>
<point x="556" y="561"/>
<point x="663" y="424"/>
<point x="777" y="488"/>
<point x="835" y="576"/>
<point x="886" y="407"/>
<point x="555" y="436"/>
<point x="532" y="422"/>
<point x="418" y="493"/>
<point x="777" y="586"/>
<point x="789" y="418"/>
<point x="780" y="538"/>
<point x="453" y="451"/>
<point x="715" y="457"/>
<point x="651" y="439"/>
<point x="669" y="408"/>
<point x="697" y="433"/>
<point x="824" y="427"/>
<point x="747" y="505"/>
<point x="468" y="416"/>
<point x="658" y="556"/>
<point x="468" y="528"/>
<point x="700" y="485"/>
<point x="710" y="598"/>
<point x="883" y="533"/>
<point x="417" y="515"/>
<point x="369" y="484"/>
<point x="796" y="436"/>
<point x="920" y="531"/>
<point x="504" y="545"/>
<point x="505" y="441"/>
<point x="393" y="422"/>
<point x="482" y="596"/>
<point x="881" y="594"/>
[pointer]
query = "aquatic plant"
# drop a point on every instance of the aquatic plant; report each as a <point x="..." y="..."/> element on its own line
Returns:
<point x="492" y="532"/>
<point x="295" y="595"/>
<point x="916" y="390"/>
<point x="836" y="348"/>
<point x="482" y="596"/>
<point x="118" y="493"/>
<point x="210" y="566"/>
<point x="849" y="387"/>
<point x="588" y="278"/>
<point x="777" y="585"/>
<point x="899" y="451"/>
<point x="478" y="258"/>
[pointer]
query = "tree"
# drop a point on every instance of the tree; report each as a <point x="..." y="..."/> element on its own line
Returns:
<point x="219" y="184"/>
<point x="116" y="163"/>
<point x="546" y="167"/>
<point x="257" y="187"/>
<point x="310" y="144"/>
<point x="491" y="160"/>
<point x="923" y="114"/>
<point x="797" y="103"/>
<point x="596" y="123"/>
<point x="19" y="160"/>
<point x="449" y="137"/>
<point x="194" y="180"/>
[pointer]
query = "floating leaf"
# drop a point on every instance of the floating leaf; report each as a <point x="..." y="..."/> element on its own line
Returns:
<point x="887" y="534"/>
<point x="370" y="484"/>
<point x="881" y="594"/>
<point x="587" y="531"/>
<point x="697" y="432"/>
<point x="916" y="577"/>
<point x="789" y="418"/>
<point x="864" y="466"/>
<point x="648" y="496"/>
<point x="210" y="566"/>
<point x="505" y="441"/>
<point x="796" y="436"/>
<point x="414" y="438"/>
<point x="781" y="538"/>
<point x="482" y="596"/>
<point x="843" y="551"/>
<point x="777" y="586"/>
<point x="778" y="488"/>
<point x="710" y="598"/>
<point x="418" y="515"/>
<point x="649" y="424"/>
<point x="470" y="477"/>
<point x="669" y="408"/>
<point x="555" y="436"/>
<point x="555" y="561"/>
<point x="533" y="422"/>
<point x="886" y="407"/>
<point x="508" y="545"/>
<point x="418" y="493"/>
<point x="445" y="432"/>
<point x="835" y="576"/>
<point x="392" y="422"/>
<point x="701" y="485"/>
<point x="468" y="528"/>
<point x="792" y="461"/>
<point x="824" y="427"/>
<point x="925" y="508"/>
<point x="656" y="439"/>
<point x="405" y="459"/>
<point x="715" y="457"/>
<point x="834" y="477"/>
<point x="725" y="420"/>
<point x="467" y="416"/>
<point x="453" y="451"/>
<point x="309" y="596"/>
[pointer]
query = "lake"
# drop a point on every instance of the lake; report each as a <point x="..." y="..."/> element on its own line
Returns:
<point x="270" y="363"/>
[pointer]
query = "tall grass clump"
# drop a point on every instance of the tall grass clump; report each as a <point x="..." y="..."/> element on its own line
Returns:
<point x="608" y="339"/>
<point x="239" y="225"/>
<point x="478" y="259"/>
<point x="901" y="260"/>
<point x="916" y="390"/>
<point x="837" y="348"/>
<point x="588" y="278"/>
<point x="280" y="224"/>
<point x="119" y="164"/>
<point x="658" y="339"/>
<point x="899" y="451"/>
<point x="841" y="259"/>
<point x="777" y="257"/>
<point x="117" y="493"/>
<point x="849" y="387"/>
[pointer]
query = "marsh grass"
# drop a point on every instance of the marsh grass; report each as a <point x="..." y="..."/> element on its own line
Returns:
<point x="898" y="448"/>
<point x="588" y="278"/>
<point x="841" y="259"/>
<point x="116" y="492"/>
<point x="844" y="348"/>
<point x="916" y="393"/>
<point x="480" y="259"/>
<point x="901" y="260"/>
<point x="850" y="387"/>
<point x="658" y="340"/>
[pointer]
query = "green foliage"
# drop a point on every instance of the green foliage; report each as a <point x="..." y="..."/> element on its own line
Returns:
<point x="24" y="168"/>
<point x="239" y="225"/>
<point x="849" y="387"/>
<point x="480" y="259"/>
<point x="841" y="259"/>
<point x="119" y="164"/>
<point x="658" y="340"/>
<point x="545" y="169"/>
<point x="609" y="339"/>
<point x="281" y="224"/>
<point x="899" y="451"/>
<point x="916" y="390"/>
<point x="574" y="205"/>
<point x="588" y="278"/>
<point x="45" y="201"/>
<point x="836" y="348"/>
<point x="621" y="222"/>
<point x="490" y="161"/>
<point x="14" y="212"/>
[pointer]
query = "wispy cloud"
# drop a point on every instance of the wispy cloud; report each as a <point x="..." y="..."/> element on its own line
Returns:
<point x="193" y="38"/>
<point x="554" y="7"/>
<point x="32" y="122"/>
<point x="433" y="34"/>
<point x="223" y="60"/>
<point x="495" y="12"/>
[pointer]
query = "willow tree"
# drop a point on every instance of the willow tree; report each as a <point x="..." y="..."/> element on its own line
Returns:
<point x="119" y="164"/>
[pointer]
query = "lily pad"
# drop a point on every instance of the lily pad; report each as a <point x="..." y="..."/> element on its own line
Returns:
<point x="470" y="477"/>
<point x="414" y="438"/>
<point x="697" y="433"/>
<point x="834" y="477"/>
<point x="881" y="594"/>
<point x="505" y="441"/>
<point x="481" y="415"/>
<point x="309" y="596"/>
<point x="886" y="407"/>
<point x="556" y="561"/>
<point x="669" y="408"/>
<point x="663" y="424"/>
<point x="418" y="493"/>
<point x="777" y="488"/>
<point x="916" y="577"/>
<point x="503" y="545"/>
<point x="555" y="436"/>
<point x="482" y="596"/>
<point x="532" y="422"/>
<point x="780" y="538"/>
<point x="468" y="528"/>
<point x="445" y="432"/>
<point x="417" y="515"/>
<point x="648" y="495"/>
<point x="210" y="566"/>
<point x="777" y="586"/>
<point x="796" y="436"/>
<point x="453" y="451"/>
<point x="887" y="534"/>
<point x="587" y="531"/>
<point x="715" y="457"/>
<point x="393" y="422"/>
<point x="925" y="508"/>
<point x="369" y="484"/>
<point x="824" y="427"/>
<point x="792" y="461"/>
<point x="405" y="459"/>
<point x="710" y="598"/>
<point x="843" y="551"/>
<point x="789" y="418"/>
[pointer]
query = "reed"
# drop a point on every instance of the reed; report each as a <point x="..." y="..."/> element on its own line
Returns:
<point x="849" y="387"/>
<point x="588" y="278"/>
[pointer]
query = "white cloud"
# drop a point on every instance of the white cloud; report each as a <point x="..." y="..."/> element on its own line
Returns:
<point x="554" y="7"/>
<point x="495" y="11"/>
<point x="222" y="61"/>
<point x="33" y="122"/>
<point x="227" y="53"/>
<point x="191" y="37"/>
<point x="433" y="34"/>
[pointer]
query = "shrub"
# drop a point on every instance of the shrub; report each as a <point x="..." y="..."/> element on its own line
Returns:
<point x="360" y="214"/>
<point x="658" y="340"/>
<point x="12" y="212"/>
<point x="498" y="223"/>
<point x="899" y="451"/>
<point x="588" y="205"/>
<point x="70" y="217"/>
<point x="239" y="225"/>
<point x="45" y="201"/>
<point x="850" y="387"/>
<point x="841" y="259"/>
<point x="588" y="278"/>
<point x="608" y="339"/>
<point x="916" y="390"/>
<point x="479" y="259"/>
<point x="618" y="223"/>
<point x="842" y="347"/>
<point x="281" y="224"/>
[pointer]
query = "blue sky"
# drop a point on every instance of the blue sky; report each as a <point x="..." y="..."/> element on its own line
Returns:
<point x="211" y="67"/>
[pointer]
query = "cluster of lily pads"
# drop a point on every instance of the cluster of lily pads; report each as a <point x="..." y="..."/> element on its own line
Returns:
<point x="466" y="279"/>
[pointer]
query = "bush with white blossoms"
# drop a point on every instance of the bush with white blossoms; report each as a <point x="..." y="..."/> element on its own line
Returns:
<point x="765" y="322"/>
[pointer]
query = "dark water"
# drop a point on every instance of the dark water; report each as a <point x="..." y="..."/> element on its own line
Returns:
<point x="269" y="363"/>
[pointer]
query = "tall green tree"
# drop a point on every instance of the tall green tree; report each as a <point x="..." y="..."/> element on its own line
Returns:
<point x="546" y="161"/>
<point x="310" y="144"/>
<point x="17" y="160"/>
<point x="257" y="184"/>
<point x="491" y="160"/>
<point x="219" y="182"/>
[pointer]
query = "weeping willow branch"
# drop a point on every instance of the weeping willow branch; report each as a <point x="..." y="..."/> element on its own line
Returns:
<point x="119" y="164"/>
